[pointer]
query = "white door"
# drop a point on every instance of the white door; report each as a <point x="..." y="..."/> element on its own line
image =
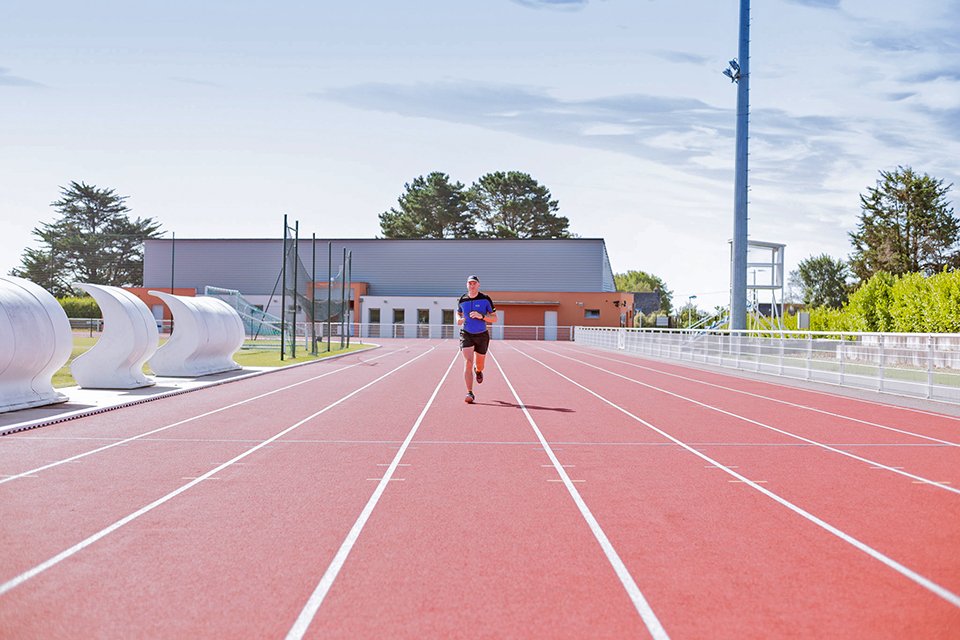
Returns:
<point x="157" y="311"/>
<point x="549" y="325"/>
<point x="497" y="332"/>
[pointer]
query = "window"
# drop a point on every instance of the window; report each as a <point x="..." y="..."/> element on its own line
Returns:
<point x="375" y="316"/>
<point x="591" y="313"/>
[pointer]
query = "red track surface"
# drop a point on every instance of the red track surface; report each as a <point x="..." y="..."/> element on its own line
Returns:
<point x="353" y="498"/>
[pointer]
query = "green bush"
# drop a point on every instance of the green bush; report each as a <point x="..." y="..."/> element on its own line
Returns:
<point x="869" y="307"/>
<point x="912" y="303"/>
<point x="943" y="315"/>
<point x="85" y="307"/>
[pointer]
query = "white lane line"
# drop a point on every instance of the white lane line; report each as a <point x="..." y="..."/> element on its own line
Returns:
<point x="892" y="469"/>
<point x="83" y="544"/>
<point x="316" y="598"/>
<point x="787" y="402"/>
<point x="633" y="591"/>
<point x="924" y="582"/>
<point x="125" y="441"/>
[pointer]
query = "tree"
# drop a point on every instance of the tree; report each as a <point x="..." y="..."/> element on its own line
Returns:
<point x="93" y="241"/>
<point x="431" y="207"/>
<point x="639" y="281"/>
<point x="822" y="281"/>
<point x="906" y="226"/>
<point x="38" y="266"/>
<point x="513" y="205"/>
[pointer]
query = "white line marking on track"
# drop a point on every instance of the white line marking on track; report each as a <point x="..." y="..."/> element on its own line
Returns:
<point x="316" y="598"/>
<point x="83" y="544"/>
<point x="787" y="402"/>
<point x="827" y="447"/>
<point x="629" y="584"/>
<point x="124" y="442"/>
<point x="903" y="570"/>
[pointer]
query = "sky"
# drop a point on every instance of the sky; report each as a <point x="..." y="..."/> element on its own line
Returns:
<point x="218" y="118"/>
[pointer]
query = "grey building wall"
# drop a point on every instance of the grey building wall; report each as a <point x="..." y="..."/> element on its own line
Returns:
<point x="391" y="267"/>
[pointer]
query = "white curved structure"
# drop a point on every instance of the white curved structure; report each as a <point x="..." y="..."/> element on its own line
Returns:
<point x="207" y="332"/>
<point x="129" y="338"/>
<point x="35" y="341"/>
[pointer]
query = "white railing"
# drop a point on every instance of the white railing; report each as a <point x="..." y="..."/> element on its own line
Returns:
<point x="497" y="331"/>
<point x="925" y="365"/>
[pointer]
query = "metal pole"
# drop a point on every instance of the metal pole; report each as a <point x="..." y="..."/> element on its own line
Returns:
<point x="313" y="299"/>
<point x="349" y="293"/>
<point x="343" y="291"/>
<point x="173" y="261"/>
<point x="173" y="258"/>
<point x="738" y="288"/>
<point x="296" y="264"/>
<point x="329" y="286"/>
<point x="283" y="292"/>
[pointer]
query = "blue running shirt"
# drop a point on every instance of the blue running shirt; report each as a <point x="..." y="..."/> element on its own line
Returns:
<point x="481" y="303"/>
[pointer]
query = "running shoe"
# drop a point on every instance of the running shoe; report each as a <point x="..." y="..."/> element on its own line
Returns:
<point x="479" y="376"/>
<point x="470" y="397"/>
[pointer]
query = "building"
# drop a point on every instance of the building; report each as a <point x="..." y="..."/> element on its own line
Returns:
<point x="399" y="286"/>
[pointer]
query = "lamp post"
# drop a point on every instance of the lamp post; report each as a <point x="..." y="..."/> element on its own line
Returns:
<point x="690" y="309"/>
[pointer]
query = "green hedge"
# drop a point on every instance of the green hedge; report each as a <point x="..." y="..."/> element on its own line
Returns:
<point x="912" y="303"/>
<point x="85" y="307"/>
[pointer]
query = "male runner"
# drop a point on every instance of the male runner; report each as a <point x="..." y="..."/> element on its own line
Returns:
<point x="474" y="311"/>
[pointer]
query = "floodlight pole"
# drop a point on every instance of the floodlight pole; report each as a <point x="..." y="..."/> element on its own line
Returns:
<point x="738" y="273"/>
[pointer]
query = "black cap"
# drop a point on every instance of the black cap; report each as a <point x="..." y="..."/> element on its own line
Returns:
<point x="473" y="278"/>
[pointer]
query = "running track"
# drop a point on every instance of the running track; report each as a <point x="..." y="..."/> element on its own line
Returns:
<point x="587" y="494"/>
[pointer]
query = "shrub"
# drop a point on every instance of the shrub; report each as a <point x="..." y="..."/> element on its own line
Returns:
<point x="85" y="307"/>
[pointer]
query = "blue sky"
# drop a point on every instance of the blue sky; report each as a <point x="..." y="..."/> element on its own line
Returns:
<point x="218" y="118"/>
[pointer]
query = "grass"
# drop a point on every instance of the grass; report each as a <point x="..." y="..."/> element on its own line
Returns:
<point x="246" y="357"/>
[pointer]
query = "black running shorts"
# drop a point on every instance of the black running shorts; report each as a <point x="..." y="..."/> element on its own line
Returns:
<point x="479" y="341"/>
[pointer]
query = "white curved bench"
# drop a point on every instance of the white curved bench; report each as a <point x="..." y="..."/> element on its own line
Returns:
<point x="35" y="341"/>
<point x="207" y="332"/>
<point x="129" y="338"/>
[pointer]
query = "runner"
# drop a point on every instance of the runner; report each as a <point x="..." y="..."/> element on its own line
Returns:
<point x="474" y="311"/>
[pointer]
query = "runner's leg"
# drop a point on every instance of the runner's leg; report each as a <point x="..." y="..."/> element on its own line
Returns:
<point x="468" y="367"/>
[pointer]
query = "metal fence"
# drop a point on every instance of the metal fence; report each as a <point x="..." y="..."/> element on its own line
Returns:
<point x="925" y="365"/>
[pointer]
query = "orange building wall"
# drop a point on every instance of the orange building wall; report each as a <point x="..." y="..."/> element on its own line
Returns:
<point x="570" y="307"/>
<point x="149" y="300"/>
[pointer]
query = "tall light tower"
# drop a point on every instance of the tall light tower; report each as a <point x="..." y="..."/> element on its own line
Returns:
<point x="739" y="72"/>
